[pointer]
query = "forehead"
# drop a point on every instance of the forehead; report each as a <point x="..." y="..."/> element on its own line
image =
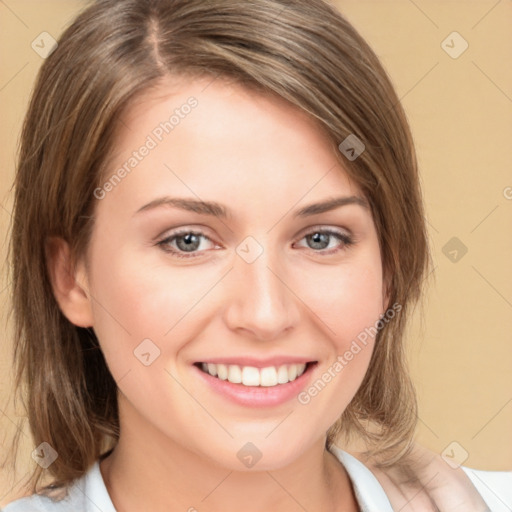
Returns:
<point x="223" y="105"/>
<point x="214" y="136"/>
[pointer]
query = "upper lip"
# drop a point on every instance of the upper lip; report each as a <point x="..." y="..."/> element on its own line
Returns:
<point x="257" y="362"/>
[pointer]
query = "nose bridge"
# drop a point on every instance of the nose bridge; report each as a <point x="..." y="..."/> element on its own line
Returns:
<point x="261" y="301"/>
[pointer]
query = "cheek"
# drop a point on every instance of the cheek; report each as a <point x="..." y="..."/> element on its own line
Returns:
<point x="348" y="299"/>
<point x="136" y="300"/>
<point x="348" y="304"/>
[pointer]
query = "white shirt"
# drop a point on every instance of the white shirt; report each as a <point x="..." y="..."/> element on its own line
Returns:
<point x="89" y="493"/>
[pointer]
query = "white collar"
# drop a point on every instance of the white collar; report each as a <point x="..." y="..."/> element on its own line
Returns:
<point x="96" y="491"/>
<point x="369" y="493"/>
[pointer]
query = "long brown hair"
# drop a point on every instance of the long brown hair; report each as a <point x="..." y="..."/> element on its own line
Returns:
<point x="302" y="50"/>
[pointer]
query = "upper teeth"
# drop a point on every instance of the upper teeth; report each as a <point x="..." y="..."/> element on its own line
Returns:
<point x="252" y="376"/>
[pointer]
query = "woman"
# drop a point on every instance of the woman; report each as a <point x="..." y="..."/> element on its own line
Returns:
<point x="218" y="236"/>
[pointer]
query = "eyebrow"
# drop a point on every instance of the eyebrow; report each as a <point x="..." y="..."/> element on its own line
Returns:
<point x="217" y="210"/>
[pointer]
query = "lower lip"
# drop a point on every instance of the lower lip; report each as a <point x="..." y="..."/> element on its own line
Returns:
<point x="258" y="396"/>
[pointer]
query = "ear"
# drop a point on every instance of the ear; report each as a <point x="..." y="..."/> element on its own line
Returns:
<point x="69" y="283"/>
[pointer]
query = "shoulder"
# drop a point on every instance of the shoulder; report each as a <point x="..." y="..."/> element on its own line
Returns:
<point x="426" y="482"/>
<point x="86" y="494"/>
<point x="43" y="503"/>
<point x="495" y="487"/>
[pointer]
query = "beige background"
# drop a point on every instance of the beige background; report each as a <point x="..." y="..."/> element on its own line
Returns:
<point x="460" y="110"/>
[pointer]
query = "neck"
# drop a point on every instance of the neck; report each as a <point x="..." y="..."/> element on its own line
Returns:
<point x="152" y="472"/>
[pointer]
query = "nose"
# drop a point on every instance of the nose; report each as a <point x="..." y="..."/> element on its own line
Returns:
<point x="261" y="301"/>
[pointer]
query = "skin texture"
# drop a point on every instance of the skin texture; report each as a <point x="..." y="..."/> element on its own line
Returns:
<point x="263" y="159"/>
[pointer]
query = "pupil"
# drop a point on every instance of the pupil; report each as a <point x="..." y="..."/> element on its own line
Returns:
<point x="321" y="239"/>
<point x="191" y="242"/>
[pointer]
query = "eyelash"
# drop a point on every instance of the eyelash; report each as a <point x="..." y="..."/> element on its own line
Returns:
<point x="346" y="240"/>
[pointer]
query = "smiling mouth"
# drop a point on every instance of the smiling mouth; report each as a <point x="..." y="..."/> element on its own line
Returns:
<point x="256" y="377"/>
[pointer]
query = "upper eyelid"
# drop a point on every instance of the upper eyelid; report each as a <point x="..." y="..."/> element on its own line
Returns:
<point x="201" y="232"/>
<point x="204" y="232"/>
<point x="325" y="227"/>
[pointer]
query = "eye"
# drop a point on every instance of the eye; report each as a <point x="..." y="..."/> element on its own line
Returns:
<point x="184" y="244"/>
<point x="188" y="243"/>
<point x="321" y="239"/>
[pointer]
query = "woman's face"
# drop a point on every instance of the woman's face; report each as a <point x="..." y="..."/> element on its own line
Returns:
<point x="254" y="278"/>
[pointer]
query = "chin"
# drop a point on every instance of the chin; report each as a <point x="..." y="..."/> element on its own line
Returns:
<point x="261" y="454"/>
